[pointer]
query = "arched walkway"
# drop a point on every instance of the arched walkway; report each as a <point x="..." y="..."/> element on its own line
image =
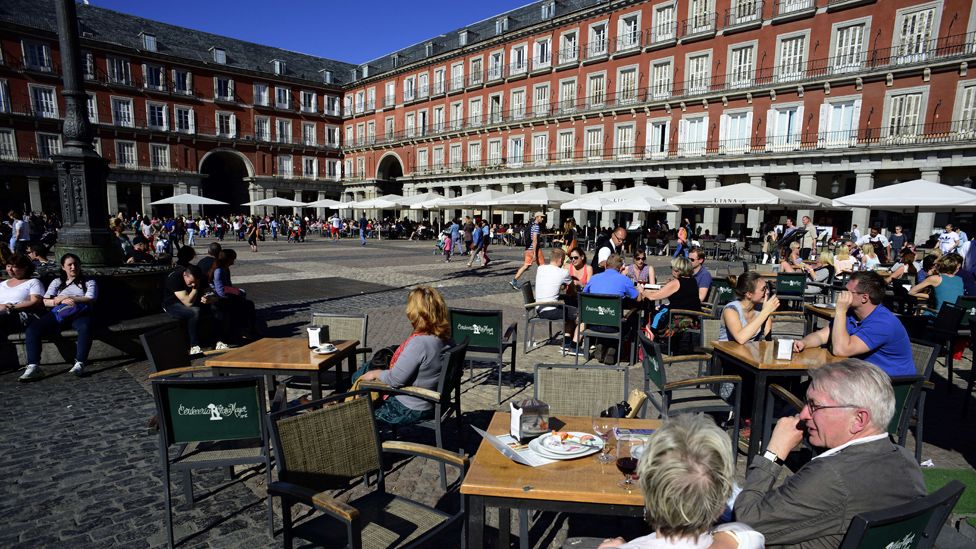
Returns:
<point x="225" y="171"/>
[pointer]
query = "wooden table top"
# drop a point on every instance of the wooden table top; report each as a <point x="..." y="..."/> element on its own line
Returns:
<point x="819" y="310"/>
<point x="583" y="480"/>
<point x="762" y="355"/>
<point x="290" y="353"/>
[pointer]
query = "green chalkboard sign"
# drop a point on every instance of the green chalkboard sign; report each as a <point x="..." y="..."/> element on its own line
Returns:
<point x="906" y="534"/>
<point x="600" y="310"/>
<point x="216" y="410"/>
<point x="791" y="284"/>
<point x="483" y="330"/>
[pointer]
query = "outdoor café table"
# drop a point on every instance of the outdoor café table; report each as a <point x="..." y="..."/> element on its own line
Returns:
<point x="813" y="311"/>
<point x="286" y="356"/>
<point x="759" y="359"/>
<point x="582" y="485"/>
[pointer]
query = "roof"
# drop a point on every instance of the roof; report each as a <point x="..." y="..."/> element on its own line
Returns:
<point x="112" y="27"/>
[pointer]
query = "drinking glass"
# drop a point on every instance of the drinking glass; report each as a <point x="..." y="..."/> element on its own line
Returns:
<point x="603" y="427"/>
<point x="627" y="461"/>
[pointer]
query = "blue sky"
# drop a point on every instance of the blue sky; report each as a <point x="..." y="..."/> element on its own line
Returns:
<point x="347" y="31"/>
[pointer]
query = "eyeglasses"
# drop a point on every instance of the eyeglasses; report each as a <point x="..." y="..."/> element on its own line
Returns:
<point x="814" y="407"/>
<point x="574" y="257"/>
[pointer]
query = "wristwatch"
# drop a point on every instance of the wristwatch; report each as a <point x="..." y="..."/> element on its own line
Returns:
<point x="771" y="456"/>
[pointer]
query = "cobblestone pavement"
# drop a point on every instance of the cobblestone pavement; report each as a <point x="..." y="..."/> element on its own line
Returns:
<point x="80" y="470"/>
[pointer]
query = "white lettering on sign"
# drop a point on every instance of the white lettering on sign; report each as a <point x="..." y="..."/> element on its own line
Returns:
<point x="602" y="311"/>
<point x="476" y="329"/>
<point x="905" y="543"/>
<point x="216" y="412"/>
<point x="792" y="283"/>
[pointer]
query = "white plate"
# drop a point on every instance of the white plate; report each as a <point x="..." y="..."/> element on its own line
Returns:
<point x="571" y="446"/>
<point x="828" y="305"/>
<point x="324" y="350"/>
<point x="536" y="446"/>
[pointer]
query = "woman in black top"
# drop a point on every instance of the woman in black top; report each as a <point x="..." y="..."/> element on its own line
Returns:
<point x="681" y="291"/>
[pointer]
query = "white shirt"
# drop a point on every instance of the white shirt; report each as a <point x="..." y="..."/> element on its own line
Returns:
<point x="854" y="442"/>
<point x="548" y="280"/>
<point x="90" y="290"/>
<point x="746" y="536"/>
<point x="948" y="241"/>
<point x="873" y="240"/>
<point x="855" y="235"/>
<point x="19" y="230"/>
<point x="20" y="292"/>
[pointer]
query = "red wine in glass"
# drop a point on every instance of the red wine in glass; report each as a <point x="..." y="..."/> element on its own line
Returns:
<point x="627" y="466"/>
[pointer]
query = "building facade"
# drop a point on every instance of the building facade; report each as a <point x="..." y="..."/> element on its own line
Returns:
<point x="828" y="97"/>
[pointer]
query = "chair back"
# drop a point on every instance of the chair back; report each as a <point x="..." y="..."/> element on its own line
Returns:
<point x="601" y="310"/>
<point x="924" y="355"/>
<point x="323" y="446"/>
<point x="766" y="268"/>
<point x="908" y="526"/>
<point x="210" y="409"/>
<point x="528" y="294"/>
<point x="722" y="292"/>
<point x="580" y="390"/>
<point x="907" y="390"/>
<point x="710" y="328"/>
<point x="653" y="363"/>
<point x="167" y="347"/>
<point x="968" y="305"/>
<point x="791" y="284"/>
<point x="343" y="326"/>
<point x="949" y="318"/>
<point x="452" y="359"/>
<point x="482" y="329"/>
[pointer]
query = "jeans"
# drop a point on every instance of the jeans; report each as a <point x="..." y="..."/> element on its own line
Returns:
<point x="192" y="317"/>
<point x="680" y="249"/>
<point x="190" y="241"/>
<point x="362" y="236"/>
<point x="81" y="323"/>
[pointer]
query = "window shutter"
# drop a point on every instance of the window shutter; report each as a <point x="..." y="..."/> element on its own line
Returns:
<point x="189" y="82"/>
<point x="723" y="132"/>
<point x="230" y="89"/>
<point x="798" y="129"/>
<point x="823" y="125"/>
<point x="667" y="137"/>
<point x="215" y="87"/>
<point x="749" y="131"/>
<point x="682" y="135"/>
<point x="145" y="76"/>
<point x="193" y="122"/>
<point x="855" y="121"/>
<point x="770" y="128"/>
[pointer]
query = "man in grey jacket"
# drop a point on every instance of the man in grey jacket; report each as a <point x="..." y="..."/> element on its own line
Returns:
<point x="849" y="404"/>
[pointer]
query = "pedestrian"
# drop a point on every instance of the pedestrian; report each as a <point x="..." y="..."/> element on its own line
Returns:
<point x="252" y="235"/>
<point x="362" y="229"/>
<point x="485" y="241"/>
<point x="475" y="247"/>
<point x="448" y="246"/>
<point x="274" y="229"/>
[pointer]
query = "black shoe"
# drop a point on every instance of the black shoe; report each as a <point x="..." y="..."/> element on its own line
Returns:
<point x="610" y="356"/>
<point x="597" y="352"/>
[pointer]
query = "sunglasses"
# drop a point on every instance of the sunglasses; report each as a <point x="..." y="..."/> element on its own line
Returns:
<point x="638" y="259"/>
<point x="575" y="257"/>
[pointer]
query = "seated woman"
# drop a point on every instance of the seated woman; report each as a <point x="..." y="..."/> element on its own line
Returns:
<point x="417" y="361"/>
<point x="686" y="477"/>
<point x="946" y="285"/>
<point x="869" y="258"/>
<point x="792" y="263"/>
<point x="681" y="291"/>
<point x="905" y="266"/>
<point x="235" y="312"/>
<point x="639" y="271"/>
<point x="820" y="272"/>
<point x="70" y="298"/>
<point x="579" y="271"/>
<point x="748" y="318"/>
<point x="843" y="262"/>
<point x="928" y="268"/>
<point x="20" y="298"/>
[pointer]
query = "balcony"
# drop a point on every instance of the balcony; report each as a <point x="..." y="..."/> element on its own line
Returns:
<point x="568" y="56"/>
<point x="788" y="10"/>
<point x="476" y="78"/>
<point x="596" y="49"/>
<point x="457" y="83"/>
<point x="389" y="101"/>
<point x="630" y="42"/>
<point x="542" y="63"/>
<point x="699" y="27"/>
<point x="43" y="68"/>
<point x="516" y="69"/>
<point x="744" y="15"/>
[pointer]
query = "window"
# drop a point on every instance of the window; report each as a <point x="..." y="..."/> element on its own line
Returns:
<point x="155" y="77"/>
<point x="838" y="123"/>
<point x="476" y="72"/>
<point x="310" y="167"/>
<point x="495" y="109"/>
<point x="597" y="40"/>
<point x="966" y="105"/>
<point x="463" y="38"/>
<point x="122" y="112"/>
<point x="569" y="47"/>
<point x="494" y="152"/>
<point x="903" y="120"/>
<point x="8" y="144"/>
<point x="349" y="172"/>
<point x="693" y="135"/>
<point x="309" y="101"/>
<point x="517" y="104"/>
<point x="332" y="136"/>
<point x="182" y="82"/>
<point x="457" y="115"/>
<point x="519" y="60"/>
<point x="662" y="76"/>
<point x="700" y="16"/>
<point x="360" y="134"/>
<point x="283" y="130"/>
<point x="44" y="101"/>
<point x="308" y="134"/>
<point x="658" y="133"/>
<point x="148" y="42"/>
<point x="542" y="53"/>
<point x="219" y="55"/>
<point x="457" y="76"/>
<point x="422" y="88"/>
<point x="332" y="105"/>
<point x="628" y="33"/>
<point x="735" y="131"/>
<point x="624" y="141"/>
<point x="389" y="94"/>
<point x="699" y="73"/>
<point x="4" y="97"/>
<point x="540" y="148"/>
<point x="97" y="144"/>
<point x="548" y="9"/>
<point x="223" y="88"/>
<point x="125" y="154"/>
<point x="745" y="11"/>
<point x="664" y="24"/>
<point x="37" y="56"/>
<point x="474" y="154"/>
<point x="596" y="89"/>
<point x="439" y="81"/>
<point x="422" y="122"/>
<point x="741" y="66"/>
<point x="361" y="166"/>
<point x="278" y="66"/>
<point x="438" y="119"/>
<point x="409" y="122"/>
<point x="49" y="144"/>
<point x="593" y="147"/>
<point x="474" y="112"/>
<point x="156" y="116"/>
<point x="914" y="29"/>
<point x="92" y="105"/>
<point x="89" y="66"/>
<point x="438" y="158"/>
<point x="261" y="94"/>
<point x="332" y="169"/>
<point x="284" y="165"/>
<point x="564" y="145"/>
<point x="848" y="54"/>
<point x="262" y="128"/>
<point x="183" y="117"/>
<point x="119" y="71"/>
<point x="282" y="98"/>
<point x="455" y="156"/>
<point x="495" y="63"/>
<point x="784" y="127"/>
<point x="791" y="62"/>
<point x="627" y="85"/>
<point x="540" y="101"/>
<point x="501" y="25"/>
<point x="159" y="156"/>
<point x="567" y="96"/>
<point x="422" y="160"/>
<point x="226" y="124"/>
<point x="326" y="77"/>
<point x="792" y="6"/>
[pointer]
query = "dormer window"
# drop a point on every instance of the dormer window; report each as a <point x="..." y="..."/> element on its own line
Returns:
<point x="219" y="55"/>
<point x="548" y="9"/>
<point x="501" y="25"/>
<point x="148" y="42"/>
<point x="326" y="76"/>
<point x="429" y="49"/>
<point x="279" y="66"/>
<point x="395" y="58"/>
<point x="365" y="70"/>
<point x="463" y="38"/>
<point x="355" y="74"/>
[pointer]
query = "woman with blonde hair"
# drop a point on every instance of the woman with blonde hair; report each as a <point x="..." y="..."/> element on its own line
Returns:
<point x="792" y="263"/>
<point x="417" y="361"/>
<point x="843" y="262"/>
<point x="869" y="258"/>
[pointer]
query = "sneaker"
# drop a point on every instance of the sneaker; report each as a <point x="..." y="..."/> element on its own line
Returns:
<point x="514" y="284"/>
<point x="31" y="373"/>
<point x="196" y="350"/>
<point x="221" y="346"/>
<point x="573" y="350"/>
<point x="77" y="369"/>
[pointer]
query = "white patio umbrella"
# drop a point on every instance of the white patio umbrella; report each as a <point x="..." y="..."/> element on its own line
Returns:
<point x="419" y="199"/>
<point x="189" y="200"/>
<point x="750" y="196"/>
<point x="543" y="197"/>
<point x="480" y="199"/>
<point x="589" y="201"/>
<point x="916" y="195"/>
<point x="637" y="204"/>
<point x="642" y="191"/>
<point x="276" y="201"/>
<point x="325" y="203"/>
<point x="385" y="202"/>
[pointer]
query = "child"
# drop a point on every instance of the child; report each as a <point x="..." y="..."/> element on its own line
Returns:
<point x="448" y="245"/>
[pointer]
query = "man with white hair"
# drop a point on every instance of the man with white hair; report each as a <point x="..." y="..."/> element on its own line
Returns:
<point x="848" y="407"/>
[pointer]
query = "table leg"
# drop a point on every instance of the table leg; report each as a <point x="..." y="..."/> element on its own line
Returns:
<point x="476" y="522"/>
<point x="316" y="381"/>
<point x="523" y="515"/>
<point x="758" y="409"/>
<point x="504" y="527"/>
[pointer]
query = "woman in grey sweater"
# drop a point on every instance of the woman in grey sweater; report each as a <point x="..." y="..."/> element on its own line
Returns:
<point x="417" y="361"/>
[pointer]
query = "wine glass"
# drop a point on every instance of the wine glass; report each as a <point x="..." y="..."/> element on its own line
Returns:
<point x="603" y="426"/>
<point x="627" y="460"/>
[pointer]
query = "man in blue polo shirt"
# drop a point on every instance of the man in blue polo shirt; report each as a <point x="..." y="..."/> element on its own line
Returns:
<point x="610" y="282"/>
<point x="870" y="332"/>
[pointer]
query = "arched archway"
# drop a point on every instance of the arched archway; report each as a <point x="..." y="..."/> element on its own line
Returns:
<point x="226" y="170"/>
<point x="390" y="168"/>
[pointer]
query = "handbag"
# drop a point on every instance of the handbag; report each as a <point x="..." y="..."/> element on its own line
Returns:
<point x="64" y="312"/>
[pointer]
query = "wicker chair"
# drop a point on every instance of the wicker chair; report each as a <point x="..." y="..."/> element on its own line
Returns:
<point x="318" y="447"/>
<point x="166" y="348"/>
<point x="446" y="399"/>
<point x="532" y="318"/>
<point x="213" y="438"/>
<point x="574" y="390"/>
<point x="344" y="326"/>
<point x="483" y="330"/>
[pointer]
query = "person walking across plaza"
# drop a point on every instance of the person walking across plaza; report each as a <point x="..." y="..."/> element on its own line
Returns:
<point x="808" y="242"/>
<point x="533" y="250"/>
<point x="251" y="234"/>
<point x="362" y="229"/>
<point x="476" y="244"/>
